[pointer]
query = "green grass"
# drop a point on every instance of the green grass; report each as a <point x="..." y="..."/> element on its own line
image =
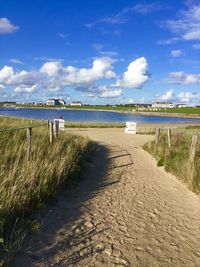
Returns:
<point x="176" y="158"/>
<point x="25" y="185"/>
<point x="187" y="110"/>
<point x="93" y="125"/>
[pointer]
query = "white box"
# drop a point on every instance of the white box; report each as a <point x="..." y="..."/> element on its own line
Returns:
<point x="130" y="127"/>
<point x="61" y="124"/>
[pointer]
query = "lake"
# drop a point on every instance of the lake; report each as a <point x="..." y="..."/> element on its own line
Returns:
<point x="89" y="116"/>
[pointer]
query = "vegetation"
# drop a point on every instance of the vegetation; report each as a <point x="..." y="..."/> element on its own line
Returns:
<point x="93" y="125"/>
<point x="176" y="158"/>
<point x="25" y="185"/>
<point x="126" y="107"/>
<point x="187" y="110"/>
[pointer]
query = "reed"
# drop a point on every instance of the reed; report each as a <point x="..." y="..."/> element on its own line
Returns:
<point x="26" y="184"/>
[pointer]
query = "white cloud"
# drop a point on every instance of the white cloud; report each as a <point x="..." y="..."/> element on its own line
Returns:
<point x="136" y="75"/>
<point x="187" y="24"/>
<point x="15" y="61"/>
<point x="176" y="53"/>
<point x="63" y="35"/>
<point x="169" y="41"/>
<point x="101" y="91"/>
<point x="181" y="77"/>
<point x="196" y="46"/>
<point x="51" y="68"/>
<point x="54" y="76"/>
<point x="167" y="96"/>
<point x="187" y="97"/>
<point x="101" y="68"/>
<point x="26" y="89"/>
<point x="124" y="14"/>
<point x="7" y="27"/>
<point x="110" y="93"/>
<point x="5" y="74"/>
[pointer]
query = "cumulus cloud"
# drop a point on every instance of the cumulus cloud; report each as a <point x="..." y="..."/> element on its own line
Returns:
<point x="136" y="75"/>
<point x="167" y="96"/>
<point x="26" y="89"/>
<point x="51" y="68"/>
<point x="187" y="97"/>
<point x="181" y="77"/>
<point x="54" y="76"/>
<point x="101" y="68"/>
<point x="176" y="53"/>
<point x="182" y="97"/>
<point x="7" y="27"/>
<point x="187" y="23"/>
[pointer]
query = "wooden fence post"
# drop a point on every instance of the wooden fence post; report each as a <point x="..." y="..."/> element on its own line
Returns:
<point x="157" y="135"/>
<point x="48" y="123"/>
<point x="192" y="154"/>
<point x="29" y="139"/>
<point x="56" y="128"/>
<point x="51" y="131"/>
<point x="169" y="133"/>
<point x="193" y="147"/>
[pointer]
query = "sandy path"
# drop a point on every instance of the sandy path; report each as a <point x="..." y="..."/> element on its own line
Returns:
<point x="126" y="212"/>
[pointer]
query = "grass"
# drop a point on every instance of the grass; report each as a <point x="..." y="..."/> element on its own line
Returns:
<point x="183" y="111"/>
<point x="93" y="125"/>
<point x="25" y="185"/>
<point x="176" y="158"/>
<point x="187" y="110"/>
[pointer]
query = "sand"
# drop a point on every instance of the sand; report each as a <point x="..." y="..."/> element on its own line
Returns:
<point x="125" y="212"/>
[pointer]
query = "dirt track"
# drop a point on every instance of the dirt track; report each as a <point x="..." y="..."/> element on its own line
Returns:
<point x="126" y="212"/>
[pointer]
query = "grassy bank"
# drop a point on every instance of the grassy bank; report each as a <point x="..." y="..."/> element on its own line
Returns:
<point x="176" y="158"/>
<point x="25" y="185"/>
<point x="93" y="125"/>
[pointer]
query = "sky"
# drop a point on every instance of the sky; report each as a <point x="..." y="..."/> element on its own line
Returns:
<point x="100" y="52"/>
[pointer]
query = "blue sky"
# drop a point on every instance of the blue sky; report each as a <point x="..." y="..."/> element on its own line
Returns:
<point x="100" y="52"/>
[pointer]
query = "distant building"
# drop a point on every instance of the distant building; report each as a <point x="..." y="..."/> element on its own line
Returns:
<point x="62" y="101"/>
<point x="55" y="102"/>
<point x="76" y="103"/>
<point x="181" y="105"/>
<point x="162" y="105"/>
<point x="8" y="104"/>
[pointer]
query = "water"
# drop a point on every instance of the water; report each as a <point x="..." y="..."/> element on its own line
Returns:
<point x="89" y="116"/>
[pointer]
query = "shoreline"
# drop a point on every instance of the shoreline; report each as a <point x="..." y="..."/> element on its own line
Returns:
<point x="141" y="125"/>
<point x="136" y="113"/>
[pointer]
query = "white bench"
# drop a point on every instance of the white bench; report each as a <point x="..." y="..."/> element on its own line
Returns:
<point x="130" y="127"/>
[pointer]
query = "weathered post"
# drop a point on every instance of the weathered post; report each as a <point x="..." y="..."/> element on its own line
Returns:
<point x="29" y="139"/>
<point x="48" y="124"/>
<point x="51" y="131"/>
<point x="157" y="135"/>
<point x="192" y="153"/>
<point x="193" y="147"/>
<point x="169" y="134"/>
<point x="56" y="128"/>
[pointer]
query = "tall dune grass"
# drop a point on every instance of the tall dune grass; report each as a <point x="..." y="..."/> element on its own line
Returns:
<point x="24" y="184"/>
<point x="176" y="158"/>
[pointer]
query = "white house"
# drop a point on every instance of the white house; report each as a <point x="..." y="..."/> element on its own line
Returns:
<point x="76" y="103"/>
<point x="55" y="102"/>
<point x="181" y="105"/>
<point x="162" y="105"/>
<point x="61" y="101"/>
